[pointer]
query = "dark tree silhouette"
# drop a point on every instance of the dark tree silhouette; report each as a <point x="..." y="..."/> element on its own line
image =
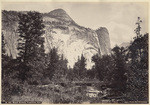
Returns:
<point x="103" y="66"/>
<point x="52" y="63"/>
<point x="119" y="77"/>
<point x="30" y="39"/>
<point x="30" y="42"/>
<point x="138" y="73"/>
<point x="138" y="76"/>
<point x="79" y="68"/>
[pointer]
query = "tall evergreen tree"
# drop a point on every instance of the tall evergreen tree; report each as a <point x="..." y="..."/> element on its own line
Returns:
<point x="80" y="67"/>
<point x="60" y="73"/>
<point x="30" y="42"/>
<point x="138" y="73"/>
<point x="30" y="39"/>
<point x="52" y="65"/>
<point x="119" y="78"/>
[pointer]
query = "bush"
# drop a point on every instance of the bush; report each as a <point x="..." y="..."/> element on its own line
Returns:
<point x="11" y="87"/>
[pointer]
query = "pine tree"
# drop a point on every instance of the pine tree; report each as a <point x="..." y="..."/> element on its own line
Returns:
<point x="119" y="77"/>
<point x="138" y="29"/>
<point x="30" y="42"/>
<point x="53" y="59"/>
<point x="83" y="63"/>
<point x="80" y="68"/>
<point x="138" y="73"/>
<point x="60" y="73"/>
<point x="30" y="39"/>
<point x="97" y="68"/>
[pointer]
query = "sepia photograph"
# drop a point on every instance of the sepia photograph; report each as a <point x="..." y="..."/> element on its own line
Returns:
<point x="74" y="52"/>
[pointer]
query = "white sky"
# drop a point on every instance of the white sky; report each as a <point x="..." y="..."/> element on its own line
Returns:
<point x="118" y="18"/>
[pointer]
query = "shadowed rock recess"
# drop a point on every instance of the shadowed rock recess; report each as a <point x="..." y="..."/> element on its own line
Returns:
<point x="61" y="32"/>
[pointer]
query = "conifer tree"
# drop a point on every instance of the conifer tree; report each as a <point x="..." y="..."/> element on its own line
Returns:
<point x="53" y="59"/>
<point x="119" y="77"/>
<point x="30" y="35"/>
<point x="80" y="67"/>
<point x="30" y="42"/>
<point x="138" y="73"/>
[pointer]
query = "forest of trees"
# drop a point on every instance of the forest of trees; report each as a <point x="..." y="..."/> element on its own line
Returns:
<point x="124" y="71"/>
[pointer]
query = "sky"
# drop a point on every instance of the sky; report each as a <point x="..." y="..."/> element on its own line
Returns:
<point x="118" y="18"/>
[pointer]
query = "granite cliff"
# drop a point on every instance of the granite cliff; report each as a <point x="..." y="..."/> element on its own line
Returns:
<point x="62" y="32"/>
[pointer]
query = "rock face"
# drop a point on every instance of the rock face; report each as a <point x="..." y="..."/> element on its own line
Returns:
<point x="60" y="14"/>
<point x="63" y="33"/>
<point x="103" y="37"/>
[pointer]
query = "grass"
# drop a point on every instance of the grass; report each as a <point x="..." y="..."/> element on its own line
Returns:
<point x="50" y="94"/>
